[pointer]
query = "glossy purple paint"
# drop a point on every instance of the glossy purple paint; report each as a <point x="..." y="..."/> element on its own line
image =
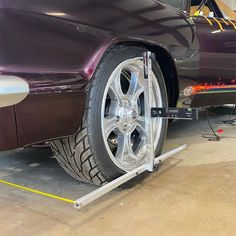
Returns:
<point x="8" y="135"/>
<point x="57" y="45"/>
<point x="75" y="41"/>
<point x="217" y="49"/>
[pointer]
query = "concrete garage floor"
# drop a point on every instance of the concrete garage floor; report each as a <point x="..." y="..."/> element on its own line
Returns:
<point x="194" y="193"/>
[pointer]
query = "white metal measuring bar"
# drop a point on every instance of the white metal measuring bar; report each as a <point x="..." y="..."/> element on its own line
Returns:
<point x="85" y="200"/>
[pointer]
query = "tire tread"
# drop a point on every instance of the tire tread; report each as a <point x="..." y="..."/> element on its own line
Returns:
<point x="75" y="156"/>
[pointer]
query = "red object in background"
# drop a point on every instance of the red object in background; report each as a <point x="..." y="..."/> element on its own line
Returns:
<point x="220" y="131"/>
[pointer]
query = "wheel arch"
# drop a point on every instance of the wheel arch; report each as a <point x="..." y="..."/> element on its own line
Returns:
<point x="165" y="62"/>
<point x="169" y="72"/>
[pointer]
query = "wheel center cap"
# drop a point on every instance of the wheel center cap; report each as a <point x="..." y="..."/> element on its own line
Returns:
<point x="127" y="117"/>
<point x="127" y="113"/>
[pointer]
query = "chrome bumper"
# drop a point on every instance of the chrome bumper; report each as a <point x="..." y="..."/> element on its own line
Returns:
<point x="12" y="90"/>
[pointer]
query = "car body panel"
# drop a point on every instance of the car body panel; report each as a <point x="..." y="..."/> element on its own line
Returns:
<point x="217" y="50"/>
<point x="75" y="41"/>
<point x="42" y="116"/>
<point x="8" y="135"/>
<point x="216" y="84"/>
<point x="56" y="46"/>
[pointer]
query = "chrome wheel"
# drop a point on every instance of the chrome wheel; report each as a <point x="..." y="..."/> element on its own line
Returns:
<point x="123" y="116"/>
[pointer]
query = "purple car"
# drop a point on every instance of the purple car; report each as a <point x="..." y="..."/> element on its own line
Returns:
<point x="71" y="73"/>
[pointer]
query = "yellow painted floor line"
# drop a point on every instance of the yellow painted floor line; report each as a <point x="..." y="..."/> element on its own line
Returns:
<point x="48" y="194"/>
<point x="37" y="192"/>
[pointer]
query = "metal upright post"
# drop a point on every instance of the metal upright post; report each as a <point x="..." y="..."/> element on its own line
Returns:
<point x="150" y="156"/>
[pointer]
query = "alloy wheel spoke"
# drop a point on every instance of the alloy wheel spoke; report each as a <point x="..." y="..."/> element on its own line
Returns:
<point x="135" y="90"/>
<point x="116" y="92"/>
<point x="124" y="148"/>
<point x="140" y="122"/>
<point x="141" y="150"/>
<point x="133" y="83"/>
<point x="137" y="93"/>
<point x="109" y="125"/>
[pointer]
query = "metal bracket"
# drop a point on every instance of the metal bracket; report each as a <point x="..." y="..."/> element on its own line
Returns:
<point x="151" y="160"/>
<point x="175" y="113"/>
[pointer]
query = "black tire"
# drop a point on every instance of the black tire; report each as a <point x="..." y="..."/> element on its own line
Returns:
<point x="83" y="155"/>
